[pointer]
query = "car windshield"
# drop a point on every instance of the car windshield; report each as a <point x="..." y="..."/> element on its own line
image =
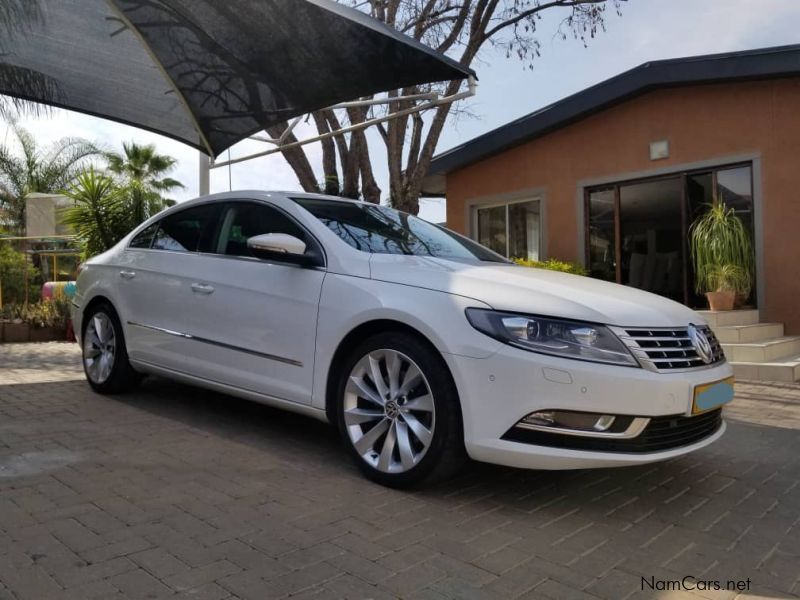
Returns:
<point x="380" y="230"/>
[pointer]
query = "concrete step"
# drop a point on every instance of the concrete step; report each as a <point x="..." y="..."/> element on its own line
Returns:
<point x="786" y="370"/>
<point x="763" y="351"/>
<point x="723" y="318"/>
<point x="739" y="334"/>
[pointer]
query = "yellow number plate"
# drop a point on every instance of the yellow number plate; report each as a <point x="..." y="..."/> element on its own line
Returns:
<point x="712" y="395"/>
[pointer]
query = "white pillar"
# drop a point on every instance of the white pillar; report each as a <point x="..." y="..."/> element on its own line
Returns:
<point x="204" y="175"/>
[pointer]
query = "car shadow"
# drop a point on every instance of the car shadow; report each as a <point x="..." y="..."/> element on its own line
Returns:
<point x="726" y="511"/>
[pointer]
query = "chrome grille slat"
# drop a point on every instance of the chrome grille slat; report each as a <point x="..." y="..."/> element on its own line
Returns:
<point x="667" y="350"/>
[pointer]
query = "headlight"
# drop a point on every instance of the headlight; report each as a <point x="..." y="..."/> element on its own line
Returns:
<point x="558" y="337"/>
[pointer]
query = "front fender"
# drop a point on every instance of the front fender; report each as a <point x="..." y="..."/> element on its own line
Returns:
<point x="349" y="302"/>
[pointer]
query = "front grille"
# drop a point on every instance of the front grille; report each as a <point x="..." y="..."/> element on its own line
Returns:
<point x="661" y="433"/>
<point x="669" y="349"/>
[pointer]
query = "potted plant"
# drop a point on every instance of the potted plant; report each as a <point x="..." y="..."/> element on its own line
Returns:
<point x="724" y="283"/>
<point x="722" y="254"/>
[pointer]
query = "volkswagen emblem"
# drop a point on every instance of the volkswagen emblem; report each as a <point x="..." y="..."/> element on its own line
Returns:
<point x="700" y="343"/>
<point x="391" y="409"/>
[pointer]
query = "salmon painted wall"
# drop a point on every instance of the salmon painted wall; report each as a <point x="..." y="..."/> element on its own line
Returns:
<point x="702" y="123"/>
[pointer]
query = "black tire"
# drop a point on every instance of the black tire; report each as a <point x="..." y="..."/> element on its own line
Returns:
<point x="445" y="454"/>
<point x="122" y="378"/>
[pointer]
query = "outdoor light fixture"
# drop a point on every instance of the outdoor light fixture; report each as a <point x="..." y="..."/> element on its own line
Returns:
<point x="659" y="150"/>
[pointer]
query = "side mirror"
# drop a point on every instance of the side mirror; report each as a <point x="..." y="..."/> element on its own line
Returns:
<point x="280" y="246"/>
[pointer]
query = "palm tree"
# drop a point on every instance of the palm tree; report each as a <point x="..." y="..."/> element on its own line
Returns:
<point x="99" y="214"/>
<point x="28" y="168"/>
<point x="144" y="173"/>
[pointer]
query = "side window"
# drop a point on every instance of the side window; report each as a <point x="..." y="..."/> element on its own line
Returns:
<point x="247" y="219"/>
<point x="144" y="239"/>
<point x="190" y="230"/>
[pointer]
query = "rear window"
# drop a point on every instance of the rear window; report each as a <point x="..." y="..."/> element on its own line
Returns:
<point x="144" y="239"/>
<point x="190" y="230"/>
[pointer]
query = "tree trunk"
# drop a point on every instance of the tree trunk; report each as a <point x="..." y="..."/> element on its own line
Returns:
<point x="297" y="159"/>
<point x="369" y="187"/>
<point x="331" y="186"/>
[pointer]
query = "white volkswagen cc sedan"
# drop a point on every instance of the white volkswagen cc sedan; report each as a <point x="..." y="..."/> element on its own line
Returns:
<point x="418" y="344"/>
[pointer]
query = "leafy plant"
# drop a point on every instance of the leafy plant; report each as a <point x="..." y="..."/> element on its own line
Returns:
<point x="100" y="215"/>
<point x="721" y="250"/>
<point x="46" y="313"/>
<point x="552" y="264"/>
<point x="13" y="265"/>
<point x="143" y="173"/>
<point x="29" y="168"/>
<point x="728" y="278"/>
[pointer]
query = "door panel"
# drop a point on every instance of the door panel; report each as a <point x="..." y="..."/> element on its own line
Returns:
<point x="253" y="322"/>
<point x="154" y="286"/>
<point x="152" y="299"/>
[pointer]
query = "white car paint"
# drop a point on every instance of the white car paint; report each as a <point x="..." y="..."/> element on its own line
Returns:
<point x="260" y="310"/>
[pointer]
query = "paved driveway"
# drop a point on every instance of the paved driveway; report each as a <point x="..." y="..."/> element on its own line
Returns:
<point x="177" y="491"/>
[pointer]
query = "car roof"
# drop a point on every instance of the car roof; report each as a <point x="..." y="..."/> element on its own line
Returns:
<point x="264" y="195"/>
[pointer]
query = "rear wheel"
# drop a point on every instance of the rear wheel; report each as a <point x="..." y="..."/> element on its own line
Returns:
<point x="105" y="358"/>
<point x="398" y="411"/>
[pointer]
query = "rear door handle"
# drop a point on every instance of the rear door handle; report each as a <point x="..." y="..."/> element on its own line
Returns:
<point x="127" y="274"/>
<point x="202" y="288"/>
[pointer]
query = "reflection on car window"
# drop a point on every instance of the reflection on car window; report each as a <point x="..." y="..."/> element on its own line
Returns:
<point x="381" y="230"/>
<point x="250" y="219"/>
<point x="190" y="230"/>
<point x="144" y="238"/>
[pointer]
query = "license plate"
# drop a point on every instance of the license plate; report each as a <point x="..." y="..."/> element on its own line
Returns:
<point x="712" y="395"/>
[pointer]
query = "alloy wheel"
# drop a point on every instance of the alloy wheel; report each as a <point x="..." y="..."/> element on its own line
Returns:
<point x="389" y="411"/>
<point x="99" y="348"/>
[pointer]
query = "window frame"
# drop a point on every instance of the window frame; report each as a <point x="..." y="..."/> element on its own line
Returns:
<point x="141" y="230"/>
<point x="158" y="221"/>
<point x="312" y="242"/>
<point x="507" y="204"/>
<point x="683" y="175"/>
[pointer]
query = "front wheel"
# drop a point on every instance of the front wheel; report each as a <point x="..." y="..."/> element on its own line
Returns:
<point x="398" y="411"/>
<point x="105" y="358"/>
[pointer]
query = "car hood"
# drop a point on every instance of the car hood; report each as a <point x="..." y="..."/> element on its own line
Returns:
<point x="535" y="291"/>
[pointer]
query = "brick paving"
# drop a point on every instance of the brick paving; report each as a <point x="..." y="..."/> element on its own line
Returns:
<point x="179" y="492"/>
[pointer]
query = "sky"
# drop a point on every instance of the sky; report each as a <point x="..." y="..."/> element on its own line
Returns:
<point x="647" y="30"/>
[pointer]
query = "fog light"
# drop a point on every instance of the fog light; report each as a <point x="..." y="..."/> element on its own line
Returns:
<point x="546" y="418"/>
<point x="570" y="420"/>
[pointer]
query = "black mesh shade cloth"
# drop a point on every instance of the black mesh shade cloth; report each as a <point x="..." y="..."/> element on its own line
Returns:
<point x="205" y="72"/>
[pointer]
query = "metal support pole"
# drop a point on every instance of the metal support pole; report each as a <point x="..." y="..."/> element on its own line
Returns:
<point x="204" y="175"/>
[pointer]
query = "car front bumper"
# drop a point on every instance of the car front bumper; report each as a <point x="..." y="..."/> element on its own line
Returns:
<point x="497" y="392"/>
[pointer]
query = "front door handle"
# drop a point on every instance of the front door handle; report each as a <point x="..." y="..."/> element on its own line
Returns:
<point x="202" y="288"/>
<point x="127" y="274"/>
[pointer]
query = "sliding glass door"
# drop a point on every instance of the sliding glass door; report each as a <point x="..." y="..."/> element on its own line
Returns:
<point x="637" y="232"/>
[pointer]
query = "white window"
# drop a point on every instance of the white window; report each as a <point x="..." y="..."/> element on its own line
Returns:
<point x="511" y="229"/>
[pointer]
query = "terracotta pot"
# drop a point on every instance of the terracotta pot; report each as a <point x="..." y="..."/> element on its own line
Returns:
<point x="740" y="301"/>
<point x="16" y="332"/>
<point x="721" y="300"/>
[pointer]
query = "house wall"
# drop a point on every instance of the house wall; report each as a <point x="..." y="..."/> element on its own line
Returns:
<point x="708" y="124"/>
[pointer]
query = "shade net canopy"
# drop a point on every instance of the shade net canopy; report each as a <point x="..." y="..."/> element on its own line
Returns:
<point x="206" y="72"/>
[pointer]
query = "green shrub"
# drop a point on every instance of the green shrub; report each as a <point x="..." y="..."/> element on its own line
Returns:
<point x="12" y="276"/>
<point x="552" y="264"/>
<point x="47" y="313"/>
